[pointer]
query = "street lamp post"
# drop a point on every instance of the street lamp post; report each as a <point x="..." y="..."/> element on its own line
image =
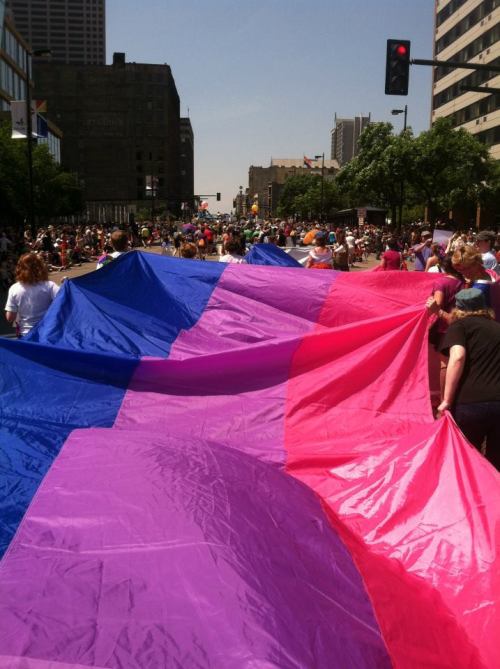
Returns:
<point x="29" y="136"/>
<point x="396" y="112"/>
<point x="322" y="156"/>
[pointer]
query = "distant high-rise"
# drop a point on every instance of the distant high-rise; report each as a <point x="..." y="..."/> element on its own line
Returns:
<point x="468" y="32"/>
<point x="74" y="30"/>
<point x="345" y="136"/>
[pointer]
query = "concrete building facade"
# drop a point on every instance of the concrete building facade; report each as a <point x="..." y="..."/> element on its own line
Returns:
<point x="265" y="183"/>
<point x="186" y="163"/>
<point x="74" y="30"/>
<point x="468" y="31"/>
<point x="345" y="136"/>
<point x="121" y="127"/>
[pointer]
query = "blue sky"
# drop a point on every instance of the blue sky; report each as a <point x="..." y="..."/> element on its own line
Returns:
<point x="264" y="79"/>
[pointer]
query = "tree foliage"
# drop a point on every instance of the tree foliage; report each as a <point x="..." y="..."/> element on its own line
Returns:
<point x="55" y="192"/>
<point x="440" y="169"/>
<point x="301" y="195"/>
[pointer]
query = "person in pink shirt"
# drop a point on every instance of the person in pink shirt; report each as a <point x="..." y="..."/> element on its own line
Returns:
<point x="392" y="258"/>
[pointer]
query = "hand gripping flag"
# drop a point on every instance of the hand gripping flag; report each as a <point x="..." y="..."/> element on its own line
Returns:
<point x="210" y="465"/>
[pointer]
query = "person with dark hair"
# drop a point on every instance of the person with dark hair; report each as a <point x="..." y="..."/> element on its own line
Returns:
<point x="233" y="252"/>
<point x="472" y="385"/>
<point x="320" y="257"/>
<point x="32" y="294"/>
<point x="392" y="258"/>
<point x="435" y="257"/>
<point x="341" y="253"/>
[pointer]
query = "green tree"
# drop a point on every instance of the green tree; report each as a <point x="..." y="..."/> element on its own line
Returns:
<point x="383" y="165"/>
<point x="301" y="195"/>
<point x="450" y="168"/>
<point x="55" y="192"/>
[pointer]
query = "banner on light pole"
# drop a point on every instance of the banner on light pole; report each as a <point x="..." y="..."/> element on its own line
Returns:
<point x="20" y="120"/>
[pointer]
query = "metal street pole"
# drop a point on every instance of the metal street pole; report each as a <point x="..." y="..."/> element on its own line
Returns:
<point x="29" y="139"/>
<point x="402" y="194"/>
<point x="29" y="136"/>
<point x="322" y="156"/>
<point x="322" y="187"/>
<point x="394" y="112"/>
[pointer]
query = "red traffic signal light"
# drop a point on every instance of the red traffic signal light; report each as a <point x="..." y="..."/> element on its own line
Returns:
<point x="397" y="67"/>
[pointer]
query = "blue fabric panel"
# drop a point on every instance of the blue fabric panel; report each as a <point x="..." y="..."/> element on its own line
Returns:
<point x="45" y="393"/>
<point x="74" y="368"/>
<point x="135" y="305"/>
<point x="269" y="254"/>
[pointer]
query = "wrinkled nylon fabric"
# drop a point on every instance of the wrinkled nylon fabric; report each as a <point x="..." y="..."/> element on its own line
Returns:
<point x="270" y="254"/>
<point x="191" y="559"/>
<point x="74" y="368"/>
<point x="417" y="506"/>
<point x="194" y="498"/>
<point x="134" y="306"/>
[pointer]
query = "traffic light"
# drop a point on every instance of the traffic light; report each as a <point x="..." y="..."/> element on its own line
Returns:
<point x="218" y="197"/>
<point x="397" y="67"/>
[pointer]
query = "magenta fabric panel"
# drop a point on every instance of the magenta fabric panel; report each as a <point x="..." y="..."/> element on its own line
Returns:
<point x="253" y="323"/>
<point x="144" y="550"/>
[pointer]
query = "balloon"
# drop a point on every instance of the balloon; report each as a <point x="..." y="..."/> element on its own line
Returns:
<point x="255" y="208"/>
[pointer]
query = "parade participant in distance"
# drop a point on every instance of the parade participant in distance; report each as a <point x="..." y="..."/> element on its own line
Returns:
<point x="188" y="250"/>
<point x="435" y="257"/>
<point x="392" y="258"/>
<point x="32" y="294"/>
<point x="472" y="386"/>
<point x="233" y="253"/>
<point x="468" y="261"/>
<point x="484" y="243"/>
<point x="422" y="251"/>
<point x="320" y="257"/>
<point x="341" y="253"/>
<point x="119" y="244"/>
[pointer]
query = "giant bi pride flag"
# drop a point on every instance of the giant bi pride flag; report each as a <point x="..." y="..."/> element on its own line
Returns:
<point x="229" y="466"/>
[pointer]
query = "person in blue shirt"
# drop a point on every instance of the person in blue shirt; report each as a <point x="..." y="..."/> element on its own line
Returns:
<point x="422" y="251"/>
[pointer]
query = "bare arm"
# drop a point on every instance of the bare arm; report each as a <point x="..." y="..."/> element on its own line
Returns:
<point x="454" y="373"/>
<point x="10" y="316"/>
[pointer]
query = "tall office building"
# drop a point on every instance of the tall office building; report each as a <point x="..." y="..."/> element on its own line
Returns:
<point x="74" y="30"/>
<point x="345" y="136"/>
<point x="468" y="31"/>
<point x="122" y="132"/>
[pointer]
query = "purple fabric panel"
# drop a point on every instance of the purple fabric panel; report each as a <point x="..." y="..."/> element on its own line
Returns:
<point x="223" y="382"/>
<point x="141" y="550"/>
<point x="253" y="305"/>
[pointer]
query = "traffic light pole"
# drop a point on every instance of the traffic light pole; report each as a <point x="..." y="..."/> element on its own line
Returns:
<point x="455" y="64"/>
<point x="402" y="192"/>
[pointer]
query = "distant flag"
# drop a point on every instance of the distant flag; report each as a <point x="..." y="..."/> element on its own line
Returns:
<point x="308" y="162"/>
<point x="41" y="106"/>
<point x="42" y="129"/>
